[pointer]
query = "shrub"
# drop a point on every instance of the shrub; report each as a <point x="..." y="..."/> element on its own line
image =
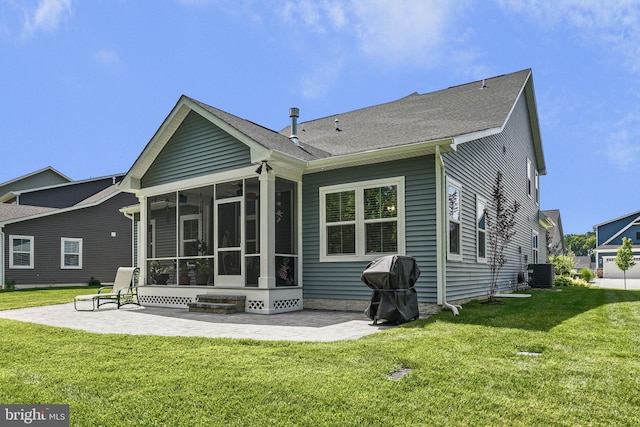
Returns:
<point x="563" y="264"/>
<point x="586" y="274"/>
<point x="94" y="282"/>
<point x="563" y="281"/>
<point x="9" y="285"/>
<point x="568" y="281"/>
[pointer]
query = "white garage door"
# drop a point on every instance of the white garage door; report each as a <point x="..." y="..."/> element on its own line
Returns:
<point x="611" y="270"/>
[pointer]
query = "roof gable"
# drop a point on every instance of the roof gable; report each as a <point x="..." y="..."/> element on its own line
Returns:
<point x="413" y="125"/>
<point x="260" y="140"/>
<point x="40" y="178"/>
<point x="608" y="232"/>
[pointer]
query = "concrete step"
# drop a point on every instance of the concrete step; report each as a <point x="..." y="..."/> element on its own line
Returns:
<point x="213" y="303"/>
<point x="213" y="307"/>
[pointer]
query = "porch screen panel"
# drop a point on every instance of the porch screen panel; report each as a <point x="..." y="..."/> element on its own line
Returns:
<point x="286" y="231"/>
<point x="162" y="227"/>
<point x="252" y="231"/>
<point x="229" y="231"/>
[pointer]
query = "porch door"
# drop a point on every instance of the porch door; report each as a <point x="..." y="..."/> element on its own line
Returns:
<point x="229" y="242"/>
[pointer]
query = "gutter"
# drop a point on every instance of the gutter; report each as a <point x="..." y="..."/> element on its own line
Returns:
<point x="441" y="241"/>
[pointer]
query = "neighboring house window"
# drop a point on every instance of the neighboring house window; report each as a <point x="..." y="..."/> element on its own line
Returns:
<point x="454" y="220"/>
<point x="537" y="183"/>
<point x="71" y="253"/>
<point x="481" y="229"/>
<point x="534" y="247"/>
<point x="529" y="184"/>
<point x="362" y="220"/>
<point x="20" y="251"/>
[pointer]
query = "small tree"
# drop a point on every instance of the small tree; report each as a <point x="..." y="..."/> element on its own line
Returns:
<point x="624" y="258"/>
<point x="500" y="230"/>
<point x="563" y="265"/>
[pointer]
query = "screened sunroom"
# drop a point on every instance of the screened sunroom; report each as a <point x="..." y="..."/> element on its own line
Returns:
<point x="236" y="236"/>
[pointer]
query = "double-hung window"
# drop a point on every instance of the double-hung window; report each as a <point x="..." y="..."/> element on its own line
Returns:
<point x="361" y="221"/>
<point x="529" y="181"/>
<point x="21" y="252"/>
<point x="481" y="229"/>
<point x="537" y="187"/>
<point x="70" y="253"/>
<point x="454" y="220"/>
<point x="534" y="247"/>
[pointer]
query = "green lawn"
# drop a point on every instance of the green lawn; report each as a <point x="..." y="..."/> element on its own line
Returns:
<point x="464" y="370"/>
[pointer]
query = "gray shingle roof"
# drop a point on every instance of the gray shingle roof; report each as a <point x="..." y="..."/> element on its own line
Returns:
<point x="456" y="111"/>
<point x="266" y="137"/>
<point x="10" y="211"/>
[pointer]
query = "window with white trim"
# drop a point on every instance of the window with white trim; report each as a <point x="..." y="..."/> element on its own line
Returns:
<point x="529" y="183"/>
<point x="534" y="247"/>
<point x="362" y="221"/>
<point x="21" y="252"/>
<point x="70" y="253"/>
<point x="481" y="229"/>
<point x="454" y="220"/>
<point x="537" y="185"/>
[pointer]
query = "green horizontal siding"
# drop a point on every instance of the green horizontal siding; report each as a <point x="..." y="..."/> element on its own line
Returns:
<point x="197" y="148"/>
<point x="475" y="165"/>
<point x="341" y="280"/>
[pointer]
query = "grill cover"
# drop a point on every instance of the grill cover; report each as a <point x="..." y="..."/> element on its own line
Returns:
<point x="394" y="297"/>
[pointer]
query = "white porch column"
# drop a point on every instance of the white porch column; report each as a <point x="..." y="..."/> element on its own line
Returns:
<point x="143" y="235"/>
<point x="267" y="277"/>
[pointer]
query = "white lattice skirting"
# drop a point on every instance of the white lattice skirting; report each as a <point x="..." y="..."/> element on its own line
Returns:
<point x="260" y="301"/>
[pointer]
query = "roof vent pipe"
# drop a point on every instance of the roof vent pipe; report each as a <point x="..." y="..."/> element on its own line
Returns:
<point x="294" y="113"/>
<point x="337" y="125"/>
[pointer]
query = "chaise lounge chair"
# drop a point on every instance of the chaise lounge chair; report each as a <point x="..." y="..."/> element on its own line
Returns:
<point x="123" y="291"/>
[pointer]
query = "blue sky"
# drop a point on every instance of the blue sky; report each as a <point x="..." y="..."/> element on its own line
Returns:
<point x="86" y="84"/>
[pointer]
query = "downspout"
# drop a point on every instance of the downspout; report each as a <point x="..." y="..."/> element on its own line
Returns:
<point x="441" y="230"/>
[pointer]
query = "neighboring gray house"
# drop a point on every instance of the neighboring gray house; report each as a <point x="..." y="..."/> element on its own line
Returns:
<point x="41" y="178"/>
<point x="609" y="236"/>
<point x="86" y="237"/>
<point x="291" y="218"/>
<point x="555" y="235"/>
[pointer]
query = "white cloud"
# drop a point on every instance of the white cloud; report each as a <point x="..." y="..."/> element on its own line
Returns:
<point x="613" y="25"/>
<point x="320" y="16"/>
<point x="622" y="148"/>
<point x="388" y="30"/>
<point x="412" y="31"/>
<point x="47" y="16"/>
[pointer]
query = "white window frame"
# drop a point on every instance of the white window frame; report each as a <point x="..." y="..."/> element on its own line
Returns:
<point x="360" y="224"/>
<point x="481" y="201"/>
<point x="529" y="180"/>
<point x="537" y="187"/>
<point x="183" y="219"/>
<point x="31" y="251"/>
<point x="535" y="246"/>
<point x="63" y="266"/>
<point x="454" y="256"/>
